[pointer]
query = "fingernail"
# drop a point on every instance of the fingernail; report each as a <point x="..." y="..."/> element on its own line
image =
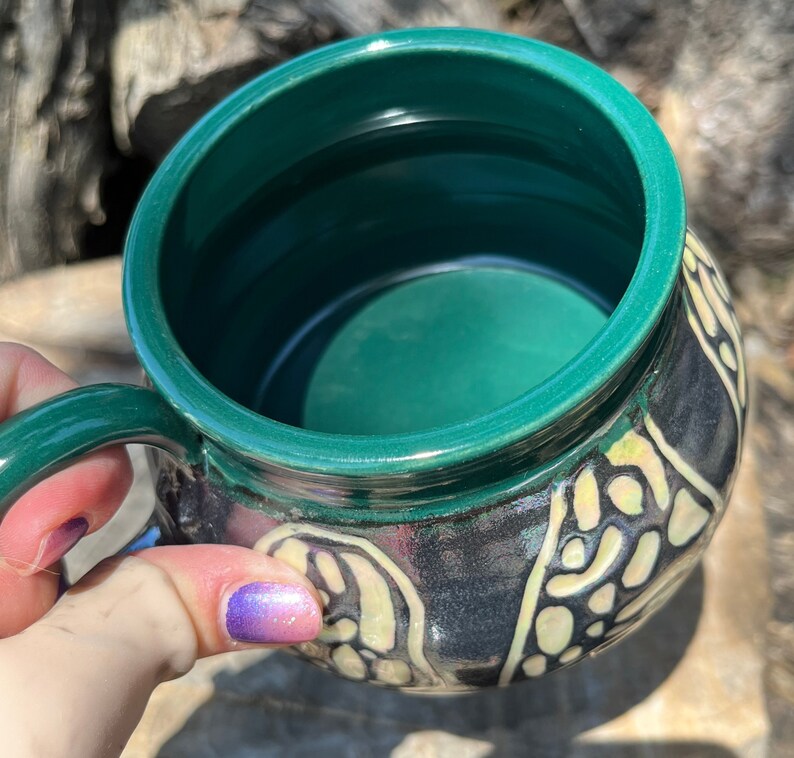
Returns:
<point x="266" y="612"/>
<point x="60" y="542"/>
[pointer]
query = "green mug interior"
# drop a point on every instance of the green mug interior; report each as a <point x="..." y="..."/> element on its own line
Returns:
<point x="402" y="242"/>
<point x="425" y="229"/>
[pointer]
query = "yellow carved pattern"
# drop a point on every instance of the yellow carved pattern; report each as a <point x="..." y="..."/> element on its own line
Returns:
<point x="529" y="601"/>
<point x="564" y="585"/>
<point x="634" y="450"/>
<point x="706" y="306"/>
<point x="378" y="625"/>
<point x="643" y="561"/>
<point x="416" y="609"/>
<point x="586" y="501"/>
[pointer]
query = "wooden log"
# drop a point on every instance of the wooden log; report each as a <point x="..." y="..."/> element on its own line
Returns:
<point x="75" y="307"/>
<point x="172" y="61"/>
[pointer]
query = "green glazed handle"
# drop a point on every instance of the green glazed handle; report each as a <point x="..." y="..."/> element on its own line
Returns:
<point x="48" y="437"/>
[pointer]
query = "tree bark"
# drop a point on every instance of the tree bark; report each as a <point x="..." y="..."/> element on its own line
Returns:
<point x="53" y="128"/>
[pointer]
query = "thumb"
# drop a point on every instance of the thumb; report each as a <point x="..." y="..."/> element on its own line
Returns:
<point x="81" y="675"/>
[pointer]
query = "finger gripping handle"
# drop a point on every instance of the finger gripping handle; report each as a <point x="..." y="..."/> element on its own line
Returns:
<point x="44" y="439"/>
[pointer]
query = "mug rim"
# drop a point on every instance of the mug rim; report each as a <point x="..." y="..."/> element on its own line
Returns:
<point x="246" y="432"/>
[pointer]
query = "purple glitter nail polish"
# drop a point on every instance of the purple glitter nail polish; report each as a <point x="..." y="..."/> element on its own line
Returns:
<point x="266" y="612"/>
<point x="61" y="541"/>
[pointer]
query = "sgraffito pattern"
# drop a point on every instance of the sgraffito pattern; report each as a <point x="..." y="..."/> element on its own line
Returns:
<point x="634" y="507"/>
<point x="712" y="319"/>
<point x="565" y="567"/>
<point x="383" y="639"/>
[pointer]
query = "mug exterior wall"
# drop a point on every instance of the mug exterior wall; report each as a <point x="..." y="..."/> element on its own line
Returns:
<point x="562" y="566"/>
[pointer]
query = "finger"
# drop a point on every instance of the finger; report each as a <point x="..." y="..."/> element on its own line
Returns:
<point x="237" y="597"/>
<point x="91" y="663"/>
<point x="24" y="599"/>
<point x="47" y="521"/>
<point x="27" y="378"/>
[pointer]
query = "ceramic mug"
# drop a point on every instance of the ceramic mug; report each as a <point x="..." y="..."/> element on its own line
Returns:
<point x="420" y="315"/>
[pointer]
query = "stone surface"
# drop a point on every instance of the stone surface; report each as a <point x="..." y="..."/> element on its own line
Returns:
<point x="767" y="311"/>
<point x="718" y="77"/>
<point x="74" y="308"/>
<point x="74" y="72"/>
<point x="716" y="73"/>
<point x="728" y="110"/>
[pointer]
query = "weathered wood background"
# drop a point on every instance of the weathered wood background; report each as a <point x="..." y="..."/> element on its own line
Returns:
<point x="92" y="93"/>
<point x="95" y="91"/>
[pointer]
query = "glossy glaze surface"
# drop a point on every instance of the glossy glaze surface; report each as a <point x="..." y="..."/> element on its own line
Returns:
<point x="445" y="347"/>
<point x="549" y="568"/>
<point x="490" y="549"/>
<point x="330" y="201"/>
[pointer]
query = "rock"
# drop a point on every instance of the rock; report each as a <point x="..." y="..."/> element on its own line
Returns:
<point x="53" y="128"/>
<point x="172" y="61"/>
<point x="637" y="41"/>
<point x="605" y="23"/>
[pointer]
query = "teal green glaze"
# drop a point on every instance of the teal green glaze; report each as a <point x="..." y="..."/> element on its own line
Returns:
<point x="308" y="255"/>
<point x="468" y="341"/>
<point x="510" y="82"/>
<point x="598" y="162"/>
<point x="39" y="442"/>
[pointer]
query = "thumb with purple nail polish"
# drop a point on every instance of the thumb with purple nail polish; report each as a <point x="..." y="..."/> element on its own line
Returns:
<point x="271" y="613"/>
<point x="77" y="668"/>
<point x="132" y="623"/>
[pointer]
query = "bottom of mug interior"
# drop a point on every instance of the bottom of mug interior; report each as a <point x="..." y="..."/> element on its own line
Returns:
<point x="428" y="347"/>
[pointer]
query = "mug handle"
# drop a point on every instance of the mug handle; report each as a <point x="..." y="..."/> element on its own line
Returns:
<point x="48" y="437"/>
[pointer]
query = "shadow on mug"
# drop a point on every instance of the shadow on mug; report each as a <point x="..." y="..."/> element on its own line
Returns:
<point x="281" y="706"/>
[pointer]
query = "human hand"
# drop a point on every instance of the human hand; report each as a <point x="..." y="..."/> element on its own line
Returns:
<point x="75" y="675"/>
